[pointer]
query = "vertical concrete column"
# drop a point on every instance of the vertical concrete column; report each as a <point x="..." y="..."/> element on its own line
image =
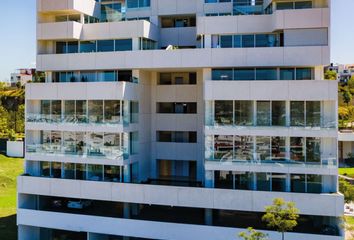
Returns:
<point x="209" y="179"/>
<point x="207" y="41"/>
<point x="136" y="44"/>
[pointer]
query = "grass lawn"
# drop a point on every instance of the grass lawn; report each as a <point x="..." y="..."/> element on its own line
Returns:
<point x="10" y="168"/>
<point x="349" y="172"/>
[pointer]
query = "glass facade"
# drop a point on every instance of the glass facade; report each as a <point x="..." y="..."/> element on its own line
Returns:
<point x="250" y="74"/>
<point x="246" y="41"/>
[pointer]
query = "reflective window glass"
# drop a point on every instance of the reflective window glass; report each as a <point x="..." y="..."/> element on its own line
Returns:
<point x="123" y="45"/>
<point x="223" y="112"/>
<point x="266" y="74"/>
<point x="278" y="113"/>
<point x="226" y="41"/>
<point x="313" y="113"/>
<point x="223" y="147"/>
<point x="263" y="149"/>
<point x="247" y="41"/>
<point x="244" y="113"/>
<point x="297" y="149"/>
<point x="105" y="46"/>
<point x="313" y="150"/>
<point x="243" y="148"/>
<point x="304" y="74"/>
<point x="263" y="113"/>
<point x="222" y="74"/>
<point x="297" y="113"/>
<point x="244" y="74"/>
<point x="87" y="46"/>
<point x="287" y="74"/>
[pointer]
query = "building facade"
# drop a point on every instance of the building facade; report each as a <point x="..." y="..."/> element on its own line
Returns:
<point x="21" y="76"/>
<point x="179" y="119"/>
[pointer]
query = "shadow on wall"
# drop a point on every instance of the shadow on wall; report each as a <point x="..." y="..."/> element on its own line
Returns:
<point x="8" y="228"/>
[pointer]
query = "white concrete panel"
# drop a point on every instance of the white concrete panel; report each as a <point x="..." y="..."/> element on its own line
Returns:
<point x="139" y="228"/>
<point x="59" y="31"/>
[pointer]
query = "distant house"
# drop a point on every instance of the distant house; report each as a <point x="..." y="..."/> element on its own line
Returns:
<point x="22" y="76"/>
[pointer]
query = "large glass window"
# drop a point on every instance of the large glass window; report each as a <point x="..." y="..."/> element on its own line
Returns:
<point x="106" y="76"/>
<point x="73" y="47"/>
<point x="80" y="143"/>
<point x="297" y="113"/>
<point x="285" y="5"/>
<point x="248" y="41"/>
<point x="112" y="111"/>
<point x="81" y="111"/>
<point x="313" y="150"/>
<point x="124" y="45"/>
<point x="69" y="170"/>
<point x="287" y="74"/>
<point x="45" y="169"/>
<point x="297" y="149"/>
<point x="56" y="111"/>
<point x="223" y="147"/>
<point x="266" y="40"/>
<point x="304" y="74"/>
<point x="224" y="112"/>
<point x="314" y="183"/>
<point x="112" y="174"/>
<point x="69" y="143"/>
<point x="263" y="149"/>
<point x="263" y="181"/>
<point x="95" y="172"/>
<point x="112" y="145"/>
<point x="243" y="148"/>
<point x="88" y="76"/>
<point x="95" y="111"/>
<point x="95" y="144"/>
<point x="244" y="74"/>
<point x="298" y="183"/>
<point x="87" y="46"/>
<point x="223" y="179"/>
<point x="60" y="47"/>
<point x="303" y="4"/>
<point x="244" y="113"/>
<point x="222" y="74"/>
<point x="278" y="113"/>
<point x="80" y="171"/>
<point x="105" y="45"/>
<point x="278" y="182"/>
<point x="313" y="113"/>
<point x="263" y="113"/>
<point x="226" y="41"/>
<point x="266" y="74"/>
<point x="56" y="169"/>
<point x="237" y="43"/>
<point x="279" y="149"/>
<point x="243" y="180"/>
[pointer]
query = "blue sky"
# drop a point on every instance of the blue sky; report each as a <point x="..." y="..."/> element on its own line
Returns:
<point x="17" y="31"/>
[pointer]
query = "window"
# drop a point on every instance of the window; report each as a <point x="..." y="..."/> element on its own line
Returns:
<point x="112" y="111"/>
<point x="222" y="74"/>
<point x="285" y="5"/>
<point x="297" y="113"/>
<point x="278" y="113"/>
<point x="56" y="169"/>
<point x="223" y="112"/>
<point x="279" y="149"/>
<point x="87" y="46"/>
<point x="125" y="76"/>
<point x="303" y="4"/>
<point x="244" y="74"/>
<point x="73" y="47"/>
<point x="298" y="183"/>
<point x="94" y="172"/>
<point x="147" y="44"/>
<point x="69" y="144"/>
<point x="181" y="108"/>
<point x="56" y="111"/>
<point x="313" y="113"/>
<point x="248" y="41"/>
<point x="243" y="148"/>
<point x="88" y="76"/>
<point x="165" y="79"/>
<point x="297" y="149"/>
<point x="304" y="73"/>
<point x="226" y="41"/>
<point x="314" y="183"/>
<point x="60" y="47"/>
<point x="278" y="182"/>
<point x="45" y="169"/>
<point x="105" y="46"/>
<point x="263" y="113"/>
<point x="224" y="179"/>
<point x="124" y="45"/>
<point x="263" y="181"/>
<point x="313" y="152"/>
<point x="95" y="111"/>
<point x="287" y="74"/>
<point x="223" y="147"/>
<point x="178" y="137"/>
<point x="266" y="74"/>
<point x="244" y="113"/>
<point x="237" y="41"/>
<point x="112" y="173"/>
<point x="106" y="76"/>
<point x="263" y="148"/>
<point x="69" y="111"/>
<point x="138" y="3"/>
<point x="266" y="40"/>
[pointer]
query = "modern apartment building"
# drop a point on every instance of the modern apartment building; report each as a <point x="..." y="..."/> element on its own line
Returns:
<point x="179" y="119"/>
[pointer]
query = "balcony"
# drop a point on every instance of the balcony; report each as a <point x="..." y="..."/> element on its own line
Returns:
<point x="187" y="58"/>
<point x="311" y="90"/>
<point x="141" y="227"/>
<point x="89" y="7"/>
<point x="284" y="19"/>
<point x="242" y="200"/>
<point x="101" y="155"/>
<point x="82" y="91"/>
<point x="59" y="31"/>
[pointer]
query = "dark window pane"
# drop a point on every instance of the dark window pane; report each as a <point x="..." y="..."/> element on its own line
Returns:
<point x="247" y="41"/>
<point x="297" y="149"/>
<point x="298" y="183"/>
<point x="278" y="113"/>
<point x="303" y="73"/>
<point x="263" y="181"/>
<point x="165" y="108"/>
<point x="237" y="41"/>
<point x="60" y="47"/>
<point x="266" y="74"/>
<point x="244" y="74"/>
<point x="266" y="40"/>
<point x="124" y="45"/>
<point x="244" y="113"/>
<point x="313" y="113"/>
<point x="314" y="183"/>
<point x="223" y="149"/>
<point x="285" y="5"/>
<point x="297" y="113"/>
<point x="73" y="47"/>
<point x="105" y="46"/>
<point x="279" y="149"/>
<point x="88" y="76"/>
<point x="223" y="179"/>
<point x="106" y="76"/>
<point x="87" y="46"/>
<point x="287" y="74"/>
<point x="125" y="76"/>
<point x="263" y="113"/>
<point x="313" y="150"/>
<point x="303" y="5"/>
<point x="226" y="41"/>
<point x="222" y="74"/>
<point x="224" y="112"/>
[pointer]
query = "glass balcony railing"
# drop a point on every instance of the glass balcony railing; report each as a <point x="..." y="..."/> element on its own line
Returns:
<point x="107" y="152"/>
<point x="78" y="119"/>
<point x="329" y="162"/>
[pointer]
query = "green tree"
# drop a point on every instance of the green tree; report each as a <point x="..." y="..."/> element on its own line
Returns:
<point x="351" y="83"/>
<point x="347" y="190"/>
<point x="347" y="97"/>
<point x="281" y="216"/>
<point x="343" y="115"/>
<point x="4" y="120"/>
<point x="252" y="234"/>
<point x="330" y="75"/>
<point x="20" y="116"/>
